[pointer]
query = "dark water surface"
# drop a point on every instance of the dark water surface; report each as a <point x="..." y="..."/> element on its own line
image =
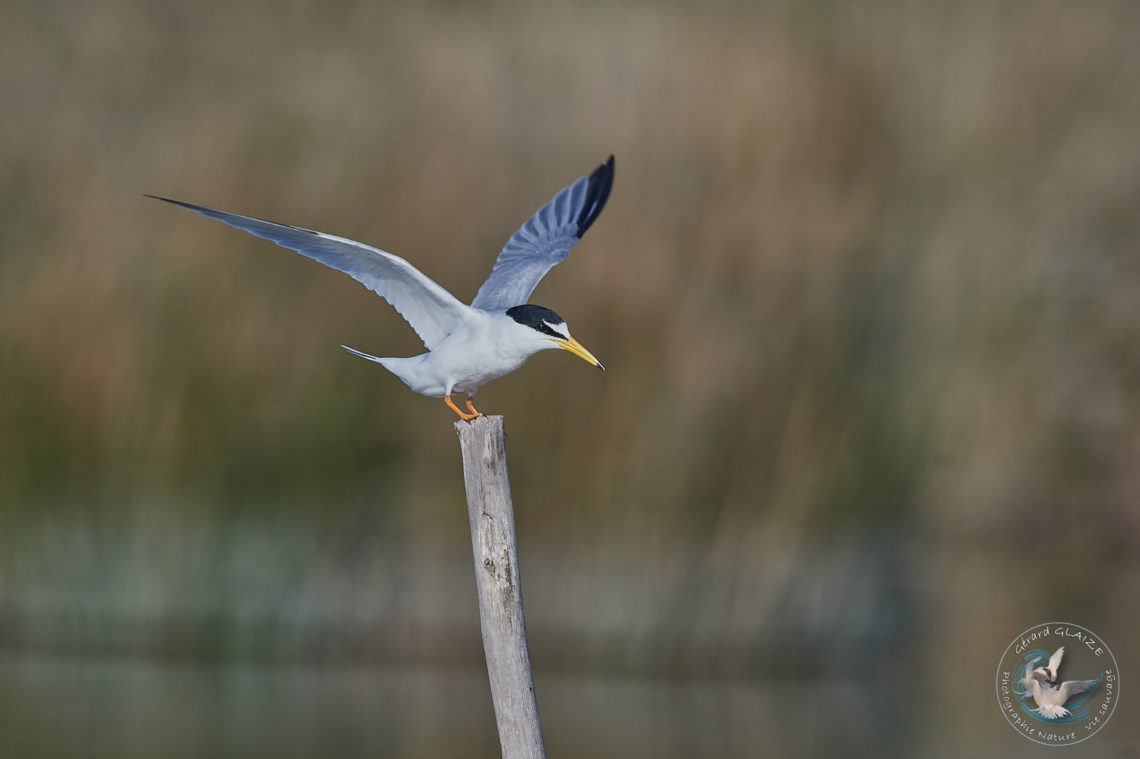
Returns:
<point x="126" y="708"/>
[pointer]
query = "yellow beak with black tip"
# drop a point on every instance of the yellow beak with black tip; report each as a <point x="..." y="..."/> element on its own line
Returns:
<point x="579" y="350"/>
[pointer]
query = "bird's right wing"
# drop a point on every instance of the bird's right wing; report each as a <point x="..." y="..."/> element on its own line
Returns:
<point x="432" y="311"/>
<point x="1030" y="677"/>
<point x="545" y="240"/>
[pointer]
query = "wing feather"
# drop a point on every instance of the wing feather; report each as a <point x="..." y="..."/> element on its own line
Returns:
<point x="545" y="240"/>
<point x="1071" y="688"/>
<point x="1055" y="661"/>
<point x="432" y="311"/>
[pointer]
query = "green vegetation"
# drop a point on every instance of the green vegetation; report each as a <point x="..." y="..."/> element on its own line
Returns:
<point x="866" y="290"/>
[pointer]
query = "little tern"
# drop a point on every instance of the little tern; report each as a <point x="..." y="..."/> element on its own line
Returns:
<point x="468" y="346"/>
<point x="1050" y="696"/>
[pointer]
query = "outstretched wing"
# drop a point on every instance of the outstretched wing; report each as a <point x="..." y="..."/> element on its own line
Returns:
<point x="1071" y="688"/>
<point x="1055" y="661"/>
<point x="433" y="312"/>
<point x="1030" y="677"/>
<point x="545" y="240"/>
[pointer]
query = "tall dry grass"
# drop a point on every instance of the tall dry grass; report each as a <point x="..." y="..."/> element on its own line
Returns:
<point x="866" y="287"/>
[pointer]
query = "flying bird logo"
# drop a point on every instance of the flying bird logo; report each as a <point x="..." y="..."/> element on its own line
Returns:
<point x="1042" y="685"/>
<point x="1040" y="705"/>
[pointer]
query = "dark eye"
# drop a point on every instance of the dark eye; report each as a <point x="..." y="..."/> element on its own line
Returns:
<point x="546" y="330"/>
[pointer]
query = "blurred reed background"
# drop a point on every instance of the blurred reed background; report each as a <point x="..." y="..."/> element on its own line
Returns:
<point x="868" y="290"/>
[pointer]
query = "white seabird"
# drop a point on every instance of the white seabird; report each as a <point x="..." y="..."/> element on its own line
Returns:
<point x="1050" y="696"/>
<point x="468" y="346"/>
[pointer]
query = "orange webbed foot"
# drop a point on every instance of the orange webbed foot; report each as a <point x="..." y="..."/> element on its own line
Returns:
<point x="465" y="417"/>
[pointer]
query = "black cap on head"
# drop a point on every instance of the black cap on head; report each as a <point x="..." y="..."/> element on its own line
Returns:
<point x="537" y="318"/>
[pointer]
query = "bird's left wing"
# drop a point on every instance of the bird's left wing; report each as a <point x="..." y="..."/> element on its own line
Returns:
<point x="545" y="240"/>
<point x="1071" y="688"/>
<point x="1055" y="661"/>
<point x="432" y="311"/>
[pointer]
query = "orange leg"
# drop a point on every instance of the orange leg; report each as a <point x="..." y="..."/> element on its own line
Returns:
<point x="472" y="409"/>
<point x="453" y="407"/>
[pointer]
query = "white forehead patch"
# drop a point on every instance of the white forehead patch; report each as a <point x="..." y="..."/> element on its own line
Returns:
<point x="560" y="328"/>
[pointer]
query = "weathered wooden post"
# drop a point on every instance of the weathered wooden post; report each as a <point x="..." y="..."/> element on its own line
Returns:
<point x="492" y="518"/>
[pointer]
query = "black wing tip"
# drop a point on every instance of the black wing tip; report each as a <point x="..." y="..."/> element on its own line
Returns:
<point x="224" y="216"/>
<point x="182" y="203"/>
<point x="597" y="193"/>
